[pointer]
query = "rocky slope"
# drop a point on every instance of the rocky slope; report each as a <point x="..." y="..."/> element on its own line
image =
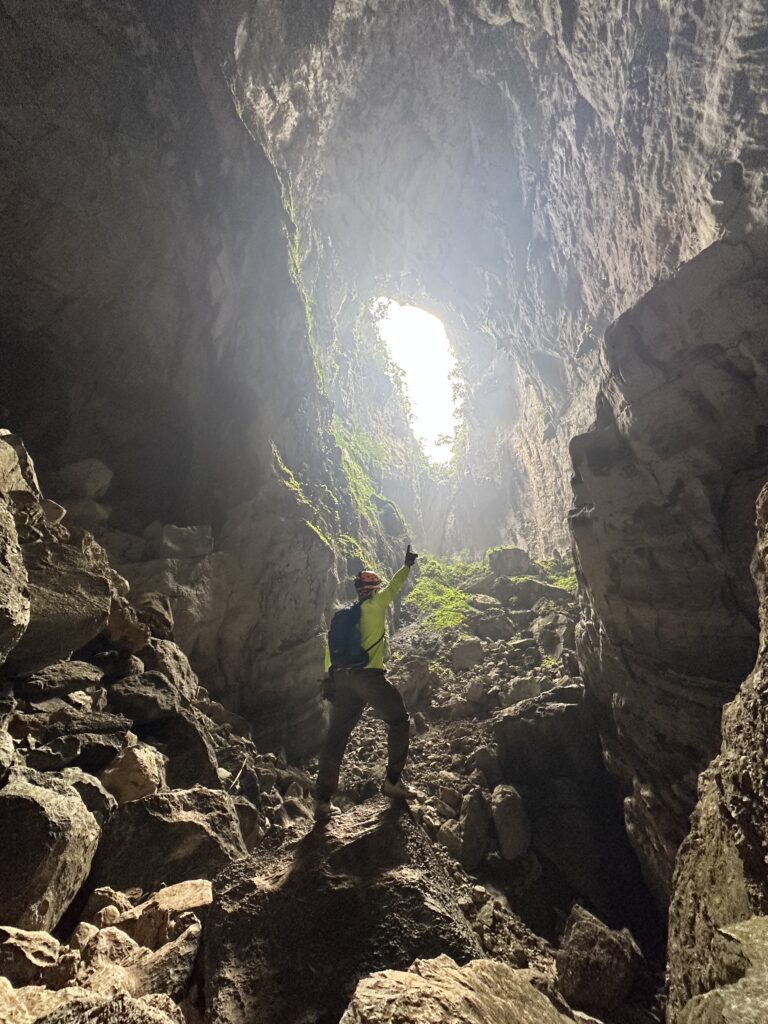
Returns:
<point x="162" y="866"/>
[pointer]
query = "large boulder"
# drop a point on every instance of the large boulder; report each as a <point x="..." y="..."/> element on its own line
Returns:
<point x="153" y="922"/>
<point x="547" y="736"/>
<point x="365" y="893"/>
<point x="114" y="962"/>
<point x="17" y="472"/>
<point x="14" y="597"/>
<point x="492" y="623"/>
<point x="596" y="966"/>
<point x="466" y="653"/>
<point x="510" y="820"/>
<point x="52" y="840"/>
<point x="26" y="957"/>
<point x="167" y="657"/>
<point x="59" y="679"/>
<point x="162" y="716"/>
<point x="70" y="591"/>
<point x="511" y="562"/>
<point x="136" y="772"/>
<point x="37" y="1005"/>
<point x="87" y="478"/>
<point x="738" y="978"/>
<point x="437" y="991"/>
<point x="169" y="837"/>
<point x="475" y="818"/>
<point x="525" y="591"/>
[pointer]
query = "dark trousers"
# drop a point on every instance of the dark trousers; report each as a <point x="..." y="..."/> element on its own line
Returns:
<point x="353" y="689"/>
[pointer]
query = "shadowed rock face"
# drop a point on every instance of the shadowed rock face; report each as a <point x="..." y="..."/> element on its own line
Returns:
<point x="720" y="878"/>
<point x="292" y="929"/>
<point x="664" y="488"/>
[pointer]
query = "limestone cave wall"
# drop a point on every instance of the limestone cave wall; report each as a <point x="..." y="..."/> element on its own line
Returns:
<point x="199" y="203"/>
<point x="150" y="319"/>
<point x="526" y="171"/>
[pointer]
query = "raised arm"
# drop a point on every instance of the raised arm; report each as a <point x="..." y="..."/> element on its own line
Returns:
<point x="395" y="585"/>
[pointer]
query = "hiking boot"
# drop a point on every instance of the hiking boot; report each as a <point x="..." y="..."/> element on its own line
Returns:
<point x="324" y="811"/>
<point x="397" y="790"/>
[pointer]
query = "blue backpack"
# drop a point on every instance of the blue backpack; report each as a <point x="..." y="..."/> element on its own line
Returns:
<point x="344" y="641"/>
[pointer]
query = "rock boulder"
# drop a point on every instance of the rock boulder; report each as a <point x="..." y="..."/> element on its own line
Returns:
<point x="720" y="877"/>
<point x="364" y="893"/>
<point x="54" y="838"/>
<point x="437" y="991"/>
<point x="169" y="837"/>
<point x="596" y="966"/>
<point x="14" y="597"/>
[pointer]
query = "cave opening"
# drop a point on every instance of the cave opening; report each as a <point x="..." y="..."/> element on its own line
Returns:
<point x="426" y="370"/>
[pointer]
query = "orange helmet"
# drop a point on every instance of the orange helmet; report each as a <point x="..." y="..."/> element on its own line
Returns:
<point x="367" y="583"/>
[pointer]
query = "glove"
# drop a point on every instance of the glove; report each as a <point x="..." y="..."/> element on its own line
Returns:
<point x="328" y="689"/>
<point x="410" y="556"/>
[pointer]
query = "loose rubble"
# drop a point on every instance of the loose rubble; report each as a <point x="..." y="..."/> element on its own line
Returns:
<point x="164" y="864"/>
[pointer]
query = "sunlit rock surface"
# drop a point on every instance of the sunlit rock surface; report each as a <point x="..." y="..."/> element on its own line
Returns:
<point x="433" y="991"/>
<point x="524" y="170"/>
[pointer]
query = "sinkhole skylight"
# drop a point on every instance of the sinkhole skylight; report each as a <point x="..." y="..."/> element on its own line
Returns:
<point x="419" y="346"/>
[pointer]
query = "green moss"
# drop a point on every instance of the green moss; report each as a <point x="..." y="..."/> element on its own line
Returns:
<point x="559" y="574"/>
<point x="350" y="548"/>
<point x="437" y="598"/>
<point x="566" y="582"/>
<point x="438" y="607"/>
<point x="293" y="239"/>
<point x="360" y="459"/>
<point x="286" y="477"/>
<point x="319" y="533"/>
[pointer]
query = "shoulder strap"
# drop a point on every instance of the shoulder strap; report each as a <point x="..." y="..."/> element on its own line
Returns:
<point x="369" y="649"/>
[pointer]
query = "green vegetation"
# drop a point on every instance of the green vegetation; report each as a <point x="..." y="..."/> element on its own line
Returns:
<point x="319" y="533"/>
<point x="555" y="575"/>
<point x="361" y="458"/>
<point x="286" y="477"/>
<point x="437" y="599"/>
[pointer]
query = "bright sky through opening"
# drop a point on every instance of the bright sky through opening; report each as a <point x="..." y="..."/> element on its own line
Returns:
<point x="418" y="344"/>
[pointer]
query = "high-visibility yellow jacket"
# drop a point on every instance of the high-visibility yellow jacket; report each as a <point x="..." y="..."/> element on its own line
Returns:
<point x="373" y="620"/>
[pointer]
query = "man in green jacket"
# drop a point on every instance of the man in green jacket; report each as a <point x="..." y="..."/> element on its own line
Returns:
<point x="353" y="688"/>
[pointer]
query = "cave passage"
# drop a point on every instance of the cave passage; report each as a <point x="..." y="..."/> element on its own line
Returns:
<point x="419" y="347"/>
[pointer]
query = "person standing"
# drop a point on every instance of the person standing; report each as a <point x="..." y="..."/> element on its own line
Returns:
<point x="355" y="677"/>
